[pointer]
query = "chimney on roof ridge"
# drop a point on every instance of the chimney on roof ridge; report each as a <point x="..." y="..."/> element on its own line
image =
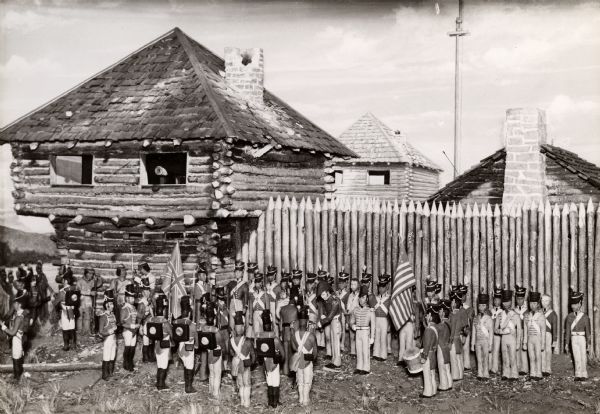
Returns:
<point x="244" y="72"/>
<point x="525" y="170"/>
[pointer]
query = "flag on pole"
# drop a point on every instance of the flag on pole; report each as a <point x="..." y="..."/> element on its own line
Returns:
<point x="173" y="282"/>
<point x="401" y="306"/>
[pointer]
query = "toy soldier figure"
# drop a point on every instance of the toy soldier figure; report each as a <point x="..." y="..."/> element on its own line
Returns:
<point x="482" y="336"/>
<point x="284" y="283"/>
<point x="297" y="279"/>
<point x="145" y="273"/>
<point x="144" y="313"/>
<point x="238" y="290"/>
<point x="382" y="306"/>
<point x="496" y="310"/>
<point x="458" y="324"/>
<point x="288" y="315"/>
<point x="201" y="289"/>
<point x="107" y="329"/>
<point x="16" y="330"/>
<point x="243" y="357"/>
<point x="443" y="351"/>
<point x="87" y="285"/>
<point x="324" y="332"/>
<point x="311" y="302"/>
<point x="366" y="280"/>
<point x="215" y="355"/>
<point x="521" y="309"/>
<point x="351" y="304"/>
<point x="432" y="288"/>
<point x="67" y="303"/>
<point x="343" y="293"/>
<point x="551" y="335"/>
<point x="578" y="335"/>
<point x="429" y="352"/>
<point x="331" y="318"/>
<point x="508" y="324"/>
<point x="272" y="288"/>
<point x="362" y="321"/>
<point x="271" y="364"/>
<point x="160" y="329"/>
<point x="534" y="337"/>
<point x="462" y="291"/>
<point x="222" y="319"/>
<point x="119" y="284"/>
<point x="187" y="346"/>
<point x="258" y="302"/>
<point x="39" y="295"/>
<point x="304" y="344"/>
<point x="407" y="333"/>
<point x="130" y="326"/>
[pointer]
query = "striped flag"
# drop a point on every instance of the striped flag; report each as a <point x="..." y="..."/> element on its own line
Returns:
<point x="173" y="283"/>
<point x="401" y="305"/>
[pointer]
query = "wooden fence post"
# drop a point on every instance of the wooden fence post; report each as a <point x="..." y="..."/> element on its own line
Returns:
<point x="468" y="255"/>
<point x="564" y="265"/>
<point x="418" y="243"/>
<point x="277" y="242"/>
<point x="505" y="240"/>
<point x="369" y="246"/>
<point x="376" y="247"/>
<point x="317" y="236"/>
<point x="512" y="240"/>
<point x="347" y="239"/>
<point x="518" y="248"/>
<point x="260" y="241"/>
<point x="483" y="275"/>
<point x="597" y="285"/>
<point x="339" y="248"/>
<point x="433" y="217"/>
<point x="301" y="239"/>
<point x="309" y="233"/>
<point x="573" y="277"/>
<point x="489" y="231"/>
<point x="447" y="280"/>
<point x="460" y="236"/>
<point x="356" y="266"/>
<point x="293" y="233"/>
<point x="525" y="246"/>
<point x="581" y="256"/>
<point x="285" y="235"/>
<point x="590" y="270"/>
<point x="269" y="234"/>
<point x="395" y="237"/>
<point x="533" y="216"/>
<point x="497" y="279"/>
<point x="325" y="239"/>
<point x="556" y="275"/>
<point x="475" y="249"/>
<point x="333" y="230"/>
<point x="426" y="240"/>
<point x="453" y="247"/>
<point x="388" y="240"/>
<point x="540" y="249"/>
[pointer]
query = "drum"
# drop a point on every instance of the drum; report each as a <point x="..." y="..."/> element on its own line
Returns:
<point x="413" y="360"/>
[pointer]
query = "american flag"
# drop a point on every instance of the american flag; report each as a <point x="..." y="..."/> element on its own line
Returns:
<point x="401" y="306"/>
<point x="173" y="282"/>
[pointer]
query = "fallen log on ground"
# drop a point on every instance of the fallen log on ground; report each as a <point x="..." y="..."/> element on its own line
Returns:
<point x="54" y="367"/>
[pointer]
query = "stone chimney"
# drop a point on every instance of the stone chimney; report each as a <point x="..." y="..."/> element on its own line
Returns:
<point x="244" y="72"/>
<point x="525" y="172"/>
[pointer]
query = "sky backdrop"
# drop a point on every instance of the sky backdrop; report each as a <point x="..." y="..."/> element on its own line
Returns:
<point x="335" y="61"/>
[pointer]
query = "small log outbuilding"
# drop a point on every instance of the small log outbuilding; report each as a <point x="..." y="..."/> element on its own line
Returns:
<point x="172" y="143"/>
<point x="389" y="167"/>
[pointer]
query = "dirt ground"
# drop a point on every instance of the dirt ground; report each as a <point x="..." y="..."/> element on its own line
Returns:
<point x="388" y="389"/>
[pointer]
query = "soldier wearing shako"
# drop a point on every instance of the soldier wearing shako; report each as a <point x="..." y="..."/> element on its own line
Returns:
<point x="273" y="291"/>
<point x="324" y="332"/>
<point x="497" y="338"/>
<point x="508" y="324"/>
<point x="429" y="351"/>
<point x="275" y="352"/>
<point x="343" y="293"/>
<point x="351" y="304"/>
<point x="382" y="324"/>
<point x="201" y="291"/>
<point x="367" y="279"/>
<point x="159" y="329"/>
<point x="362" y="321"/>
<point x="551" y="335"/>
<point x="67" y="304"/>
<point x="331" y="317"/>
<point x="144" y="313"/>
<point x="215" y="355"/>
<point x="304" y="344"/>
<point x="284" y="282"/>
<point x="238" y="289"/>
<point x="311" y="300"/>
<point x="534" y="336"/>
<point x="222" y="322"/>
<point x="482" y="336"/>
<point x="459" y="324"/>
<point x="288" y="315"/>
<point x="462" y="291"/>
<point x="578" y="335"/>
<point x="185" y="335"/>
<point x="108" y="331"/>
<point x="258" y="301"/>
<point x="282" y="300"/>
<point x="521" y="309"/>
<point x="129" y="322"/>
<point x="432" y="289"/>
<point x="16" y="331"/>
<point x="242" y="358"/>
<point x="297" y="279"/>
<point x="444" y="343"/>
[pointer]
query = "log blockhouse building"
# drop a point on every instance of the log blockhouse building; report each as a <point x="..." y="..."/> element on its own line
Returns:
<point x="172" y="143"/>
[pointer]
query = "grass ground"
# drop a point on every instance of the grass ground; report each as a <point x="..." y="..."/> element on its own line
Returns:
<point x="388" y="389"/>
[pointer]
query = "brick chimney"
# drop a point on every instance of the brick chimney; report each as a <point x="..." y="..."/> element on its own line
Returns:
<point x="244" y="72"/>
<point x="525" y="172"/>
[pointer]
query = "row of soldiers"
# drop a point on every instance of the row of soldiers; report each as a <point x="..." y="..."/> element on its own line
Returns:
<point x="521" y="338"/>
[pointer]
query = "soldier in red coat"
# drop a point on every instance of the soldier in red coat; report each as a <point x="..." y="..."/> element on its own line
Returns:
<point x="304" y="344"/>
<point x="242" y="358"/>
<point x="578" y="339"/>
<point x="16" y="331"/>
<point x="551" y="335"/>
<point x="271" y="364"/>
<point x="429" y="352"/>
<point x="108" y="331"/>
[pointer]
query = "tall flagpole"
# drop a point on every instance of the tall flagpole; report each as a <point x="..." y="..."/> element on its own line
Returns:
<point x="457" y="34"/>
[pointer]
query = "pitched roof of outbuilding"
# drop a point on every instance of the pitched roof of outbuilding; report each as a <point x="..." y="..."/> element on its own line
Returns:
<point x="490" y="171"/>
<point x="375" y="142"/>
<point x="171" y="88"/>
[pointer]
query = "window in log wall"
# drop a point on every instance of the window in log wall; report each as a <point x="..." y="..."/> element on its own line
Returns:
<point x="339" y="176"/>
<point x="167" y="168"/>
<point x="378" y="178"/>
<point x="72" y="169"/>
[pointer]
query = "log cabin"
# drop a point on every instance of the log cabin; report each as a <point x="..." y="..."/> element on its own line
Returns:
<point x="389" y="166"/>
<point x="170" y="144"/>
<point x="527" y="169"/>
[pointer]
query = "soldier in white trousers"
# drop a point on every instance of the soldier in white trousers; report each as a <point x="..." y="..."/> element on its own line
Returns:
<point x="578" y="336"/>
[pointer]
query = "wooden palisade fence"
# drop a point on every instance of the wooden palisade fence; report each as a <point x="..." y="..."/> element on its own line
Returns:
<point x="547" y="248"/>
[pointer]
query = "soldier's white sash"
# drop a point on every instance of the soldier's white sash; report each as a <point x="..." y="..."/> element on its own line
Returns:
<point x="578" y="317"/>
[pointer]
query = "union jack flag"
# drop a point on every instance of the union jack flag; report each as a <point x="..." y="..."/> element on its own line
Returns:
<point x="401" y="304"/>
<point x="173" y="284"/>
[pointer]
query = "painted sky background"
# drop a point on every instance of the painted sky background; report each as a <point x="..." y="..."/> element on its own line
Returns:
<point x="334" y="61"/>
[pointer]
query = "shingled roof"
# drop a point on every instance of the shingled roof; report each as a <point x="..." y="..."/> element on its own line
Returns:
<point x="490" y="171"/>
<point x="375" y="142"/>
<point x="171" y="88"/>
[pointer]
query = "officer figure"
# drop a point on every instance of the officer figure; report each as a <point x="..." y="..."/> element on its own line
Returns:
<point x="238" y="290"/>
<point x="482" y="336"/>
<point x="381" y="308"/>
<point x="362" y="321"/>
<point x="258" y="302"/>
<point x="458" y="325"/>
<point x="68" y="312"/>
<point x="331" y="318"/>
<point x="578" y="335"/>
<point x="521" y="309"/>
<point x="16" y="330"/>
<point x="273" y="290"/>
<point x="551" y="335"/>
<point x="432" y="288"/>
<point x="534" y="337"/>
<point x="462" y="291"/>
<point x="130" y="325"/>
<point x="108" y="331"/>
<point x="497" y="338"/>
<point x="429" y="351"/>
<point x="508" y="324"/>
<point x="311" y="301"/>
<point x="304" y="344"/>
<point x="201" y="291"/>
<point x="223" y="322"/>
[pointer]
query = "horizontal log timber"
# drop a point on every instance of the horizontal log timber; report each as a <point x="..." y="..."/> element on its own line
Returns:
<point x="276" y="186"/>
<point x="121" y="202"/>
<point x="119" y="148"/>
<point x="31" y="171"/>
<point x="282" y="179"/>
<point x="124" y="256"/>
<point x="23" y="162"/>
<point x="259" y="196"/>
<point x="54" y="367"/>
<point x="46" y="210"/>
<point x="116" y="162"/>
<point x="117" y="179"/>
<point x="200" y="169"/>
<point x="199" y="161"/>
<point x="277" y="171"/>
<point x="118" y="190"/>
<point x="116" y="170"/>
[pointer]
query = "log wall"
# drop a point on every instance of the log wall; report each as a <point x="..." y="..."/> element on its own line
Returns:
<point x="547" y="248"/>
